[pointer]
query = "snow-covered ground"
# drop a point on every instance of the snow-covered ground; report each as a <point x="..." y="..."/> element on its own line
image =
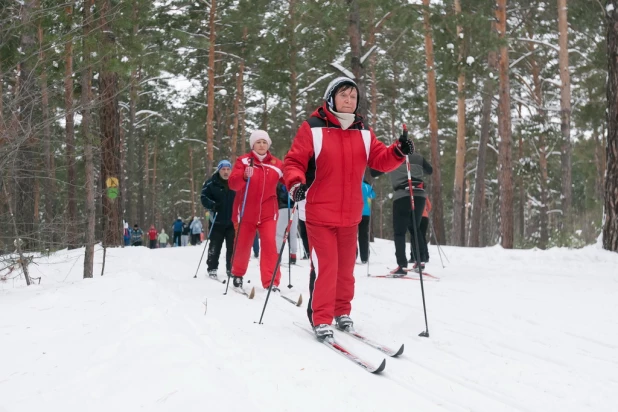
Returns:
<point x="509" y="331"/>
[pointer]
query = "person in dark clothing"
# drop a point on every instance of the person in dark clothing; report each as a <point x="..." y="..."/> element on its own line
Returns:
<point x="302" y="229"/>
<point x="403" y="217"/>
<point x="422" y="235"/>
<point x="256" y="246"/>
<point x="283" y="220"/>
<point x="136" y="235"/>
<point x="217" y="197"/>
<point x="177" y="227"/>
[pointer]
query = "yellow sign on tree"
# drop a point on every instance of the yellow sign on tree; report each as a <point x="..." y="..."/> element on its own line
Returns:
<point x="111" y="182"/>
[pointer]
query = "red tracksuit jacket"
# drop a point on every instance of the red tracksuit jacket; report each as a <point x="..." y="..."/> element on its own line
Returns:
<point x="262" y="197"/>
<point x="332" y="162"/>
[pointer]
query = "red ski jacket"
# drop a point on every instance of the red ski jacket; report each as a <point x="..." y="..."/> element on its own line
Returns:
<point x="152" y="234"/>
<point x="332" y="162"/>
<point x="262" y="197"/>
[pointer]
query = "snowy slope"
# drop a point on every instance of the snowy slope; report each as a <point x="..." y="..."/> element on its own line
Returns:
<point x="509" y="331"/>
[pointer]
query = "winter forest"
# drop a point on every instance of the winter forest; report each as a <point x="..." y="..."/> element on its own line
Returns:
<point x="117" y="110"/>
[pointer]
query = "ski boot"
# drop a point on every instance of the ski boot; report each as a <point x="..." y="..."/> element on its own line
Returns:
<point x="344" y="323"/>
<point x="415" y="267"/>
<point x="293" y="259"/>
<point x="212" y="273"/>
<point x="398" y="271"/>
<point x="237" y="281"/>
<point x="323" y="332"/>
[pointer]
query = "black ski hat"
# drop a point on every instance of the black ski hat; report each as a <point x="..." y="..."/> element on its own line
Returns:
<point x="333" y="88"/>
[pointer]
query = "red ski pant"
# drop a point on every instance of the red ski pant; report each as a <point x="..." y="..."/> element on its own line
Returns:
<point x="268" y="250"/>
<point x="331" y="284"/>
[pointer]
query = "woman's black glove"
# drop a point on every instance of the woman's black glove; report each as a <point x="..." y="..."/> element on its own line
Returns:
<point x="298" y="192"/>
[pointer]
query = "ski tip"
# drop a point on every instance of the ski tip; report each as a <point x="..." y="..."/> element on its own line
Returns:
<point x="300" y="300"/>
<point x="252" y="293"/>
<point x="399" y="352"/>
<point x="380" y="368"/>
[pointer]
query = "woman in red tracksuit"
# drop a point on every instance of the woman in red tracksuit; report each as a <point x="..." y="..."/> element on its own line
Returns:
<point x="261" y="208"/>
<point x="325" y="166"/>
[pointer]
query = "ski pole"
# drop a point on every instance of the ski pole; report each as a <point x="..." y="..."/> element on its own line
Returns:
<point x="369" y="240"/>
<point x="433" y="232"/>
<point x="289" y="252"/>
<point x="214" y="219"/>
<point x="425" y="333"/>
<point x="272" y="280"/>
<point x="237" y="234"/>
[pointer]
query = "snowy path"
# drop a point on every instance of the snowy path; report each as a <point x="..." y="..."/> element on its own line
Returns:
<point x="510" y="331"/>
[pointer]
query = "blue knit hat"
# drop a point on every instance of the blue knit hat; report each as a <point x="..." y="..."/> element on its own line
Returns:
<point x="224" y="163"/>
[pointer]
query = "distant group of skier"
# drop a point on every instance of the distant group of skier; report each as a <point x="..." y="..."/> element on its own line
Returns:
<point x="320" y="186"/>
<point x="184" y="233"/>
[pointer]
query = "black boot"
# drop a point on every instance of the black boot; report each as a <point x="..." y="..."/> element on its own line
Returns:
<point x="237" y="281"/>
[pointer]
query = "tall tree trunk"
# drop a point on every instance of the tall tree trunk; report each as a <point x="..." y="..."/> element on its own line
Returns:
<point x="110" y="132"/>
<point x="243" y="139"/>
<point x="70" y="136"/>
<point x="25" y="101"/>
<point x="211" y="87"/>
<point x="436" y="180"/>
<point x="191" y="181"/>
<point x="142" y="171"/>
<point x="522" y="192"/>
<point x="49" y="188"/>
<point x="505" y="174"/>
<point x="479" y="179"/>
<point x="146" y="183"/>
<point x="129" y="163"/>
<point x="354" y="32"/>
<point x="153" y="186"/>
<point x="610" y="228"/>
<point x="264" y="125"/>
<point x="238" y="103"/>
<point x="541" y="148"/>
<point x="293" y="71"/>
<point x="565" y="111"/>
<point x="131" y="138"/>
<point x="86" y="99"/>
<point x="457" y="235"/>
<point x="599" y="159"/>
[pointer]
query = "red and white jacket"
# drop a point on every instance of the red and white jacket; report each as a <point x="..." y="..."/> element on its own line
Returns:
<point x="332" y="162"/>
<point x="261" y="202"/>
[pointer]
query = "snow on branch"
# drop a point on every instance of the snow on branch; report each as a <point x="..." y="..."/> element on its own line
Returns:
<point x="552" y="46"/>
<point x="343" y="70"/>
<point x="150" y="113"/>
<point x="371" y="50"/>
<point x="319" y="79"/>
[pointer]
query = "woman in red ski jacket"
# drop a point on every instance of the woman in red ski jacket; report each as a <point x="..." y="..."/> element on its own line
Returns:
<point x="261" y="208"/>
<point x="325" y="166"/>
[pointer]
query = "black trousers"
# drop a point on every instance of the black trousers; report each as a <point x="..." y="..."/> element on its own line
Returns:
<point x="302" y="229"/>
<point x="403" y="219"/>
<point x="363" y="238"/>
<point x="422" y="239"/>
<point x="220" y="232"/>
<point x="176" y="240"/>
<point x="422" y="236"/>
<point x="153" y="244"/>
<point x="195" y="239"/>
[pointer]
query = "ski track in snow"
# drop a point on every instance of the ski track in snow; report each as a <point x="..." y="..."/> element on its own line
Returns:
<point x="517" y="330"/>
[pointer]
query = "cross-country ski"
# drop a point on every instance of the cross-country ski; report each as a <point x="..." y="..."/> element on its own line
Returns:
<point x="334" y="345"/>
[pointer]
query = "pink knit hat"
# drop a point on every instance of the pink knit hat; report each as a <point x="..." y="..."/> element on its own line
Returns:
<point x="257" y="135"/>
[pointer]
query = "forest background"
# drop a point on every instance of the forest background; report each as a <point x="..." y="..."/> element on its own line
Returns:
<point x="119" y="110"/>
